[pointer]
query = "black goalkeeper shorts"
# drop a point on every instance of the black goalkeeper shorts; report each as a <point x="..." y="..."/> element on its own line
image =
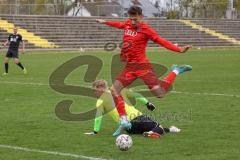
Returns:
<point x="12" y="53"/>
<point x="142" y="124"/>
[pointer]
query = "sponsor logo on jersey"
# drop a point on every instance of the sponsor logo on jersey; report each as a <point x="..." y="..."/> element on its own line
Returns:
<point x="130" y="33"/>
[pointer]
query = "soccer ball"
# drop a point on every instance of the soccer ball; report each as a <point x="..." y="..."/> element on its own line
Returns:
<point x="124" y="142"/>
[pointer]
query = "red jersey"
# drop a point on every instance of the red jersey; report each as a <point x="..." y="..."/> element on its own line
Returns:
<point x="135" y="40"/>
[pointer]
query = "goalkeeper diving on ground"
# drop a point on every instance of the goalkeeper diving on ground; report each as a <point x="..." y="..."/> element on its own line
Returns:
<point x="141" y="124"/>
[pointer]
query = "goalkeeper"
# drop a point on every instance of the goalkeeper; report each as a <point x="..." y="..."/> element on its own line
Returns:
<point x="141" y="124"/>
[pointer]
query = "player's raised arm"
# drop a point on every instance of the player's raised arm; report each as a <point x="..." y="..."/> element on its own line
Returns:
<point x="116" y="24"/>
<point x="153" y="35"/>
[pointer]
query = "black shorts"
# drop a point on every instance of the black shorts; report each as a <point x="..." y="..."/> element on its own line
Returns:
<point x="142" y="124"/>
<point x="12" y="53"/>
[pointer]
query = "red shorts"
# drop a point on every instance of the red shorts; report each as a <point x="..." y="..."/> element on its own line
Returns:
<point x="144" y="71"/>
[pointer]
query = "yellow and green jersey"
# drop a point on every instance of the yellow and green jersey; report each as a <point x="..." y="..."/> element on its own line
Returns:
<point x="105" y="105"/>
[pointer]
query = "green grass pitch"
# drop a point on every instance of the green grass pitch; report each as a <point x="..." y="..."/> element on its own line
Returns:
<point x="206" y="106"/>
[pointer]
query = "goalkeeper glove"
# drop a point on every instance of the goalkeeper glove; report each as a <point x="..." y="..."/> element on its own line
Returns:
<point x="150" y="106"/>
<point x="91" y="133"/>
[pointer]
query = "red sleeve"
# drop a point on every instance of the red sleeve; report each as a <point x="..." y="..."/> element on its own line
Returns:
<point x="115" y="24"/>
<point x="153" y="35"/>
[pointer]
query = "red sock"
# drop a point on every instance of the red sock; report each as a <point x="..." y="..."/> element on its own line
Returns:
<point x="168" y="81"/>
<point x="120" y="104"/>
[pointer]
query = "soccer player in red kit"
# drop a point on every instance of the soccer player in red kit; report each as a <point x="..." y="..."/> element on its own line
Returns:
<point x="135" y="38"/>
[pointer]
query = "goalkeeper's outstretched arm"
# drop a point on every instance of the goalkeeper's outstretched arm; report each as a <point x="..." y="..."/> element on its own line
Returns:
<point x="98" y="119"/>
<point x="141" y="99"/>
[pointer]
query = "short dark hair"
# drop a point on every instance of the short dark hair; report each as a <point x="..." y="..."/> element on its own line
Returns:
<point x="135" y="11"/>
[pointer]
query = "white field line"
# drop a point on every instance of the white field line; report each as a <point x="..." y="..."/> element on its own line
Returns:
<point x="175" y="92"/>
<point x="208" y="81"/>
<point x="207" y="94"/>
<point x="196" y="93"/>
<point x="62" y="154"/>
<point x="24" y="83"/>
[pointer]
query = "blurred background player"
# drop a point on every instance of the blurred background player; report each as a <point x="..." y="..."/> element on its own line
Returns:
<point x="141" y="124"/>
<point x="14" y="41"/>
<point x="135" y="38"/>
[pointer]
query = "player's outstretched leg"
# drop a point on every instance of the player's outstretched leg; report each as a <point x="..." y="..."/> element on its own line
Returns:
<point x="151" y="134"/>
<point x="17" y="62"/>
<point x="123" y="125"/>
<point x="159" y="130"/>
<point x="174" y="129"/>
<point x="175" y="70"/>
<point x="160" y="87"/>
<point x="120" y="105"/>
<point x="181" y="68"/>
<point x="156" y="132"/>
